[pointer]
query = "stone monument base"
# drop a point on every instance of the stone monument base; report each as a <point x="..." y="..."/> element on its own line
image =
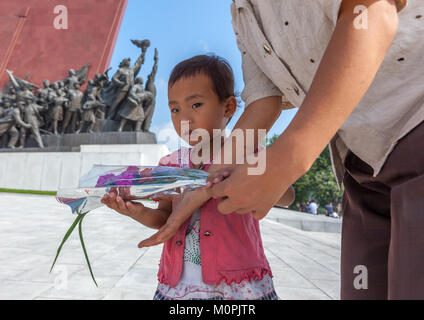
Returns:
<point x="85" y="138"/>
<point x="57" y="167"/>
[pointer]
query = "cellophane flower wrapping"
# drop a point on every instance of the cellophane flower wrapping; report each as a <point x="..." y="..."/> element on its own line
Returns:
<point x="131" y="182"/>
<point x="140" y="182"/>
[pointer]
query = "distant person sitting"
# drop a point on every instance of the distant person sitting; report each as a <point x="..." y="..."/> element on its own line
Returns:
<point x="329" y="210"/>
<point x="298" y="207"/>
<point x="313" y="207"/>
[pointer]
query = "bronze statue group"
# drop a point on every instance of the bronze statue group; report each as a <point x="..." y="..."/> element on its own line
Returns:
<point x="61" y="107"/>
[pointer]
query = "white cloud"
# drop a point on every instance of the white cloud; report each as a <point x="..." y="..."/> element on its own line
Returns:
<point x="161" y="84"/>
<point x="204" y="46"/>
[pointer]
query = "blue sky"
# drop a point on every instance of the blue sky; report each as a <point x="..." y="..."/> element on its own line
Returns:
<point x="181" y="29"/>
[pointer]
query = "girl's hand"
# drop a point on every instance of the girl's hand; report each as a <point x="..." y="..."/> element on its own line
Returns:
<point x="115" y="200"/>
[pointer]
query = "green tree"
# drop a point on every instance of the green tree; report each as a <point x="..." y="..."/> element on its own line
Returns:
<point x="271" y="140"/>
<point x="318" y="183"/>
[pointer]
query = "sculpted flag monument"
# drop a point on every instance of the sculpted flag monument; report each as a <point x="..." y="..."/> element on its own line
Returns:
<point x="61" y="110"/>
<point x="44" y="39"/>
<point x="69" y="112"/>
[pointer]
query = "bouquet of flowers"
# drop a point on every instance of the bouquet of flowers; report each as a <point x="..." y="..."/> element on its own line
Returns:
<point x="140" y="182"/>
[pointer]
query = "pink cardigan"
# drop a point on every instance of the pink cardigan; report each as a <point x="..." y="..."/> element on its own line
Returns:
<point x="230" y="245"/>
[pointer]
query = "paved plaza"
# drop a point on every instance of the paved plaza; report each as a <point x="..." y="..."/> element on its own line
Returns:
<point x="305" y="264"/>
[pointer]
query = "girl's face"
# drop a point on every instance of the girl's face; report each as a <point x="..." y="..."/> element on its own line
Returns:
<point x="193" y="99"/>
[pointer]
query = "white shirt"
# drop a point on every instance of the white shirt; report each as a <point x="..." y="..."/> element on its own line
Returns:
<point x="282" y="43"/>
<point x="313" y="207"/>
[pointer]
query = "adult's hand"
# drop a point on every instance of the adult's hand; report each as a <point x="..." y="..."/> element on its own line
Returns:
<point x="166" y="232"/>
<point x="183" y="206"/>
<point x="243" y="193"/>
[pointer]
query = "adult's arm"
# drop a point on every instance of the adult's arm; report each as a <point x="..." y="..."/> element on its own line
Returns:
<point x="345" y="73"/>
<point x="260" y="114"/>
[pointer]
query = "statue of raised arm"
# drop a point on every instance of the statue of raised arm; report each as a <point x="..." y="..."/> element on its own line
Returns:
<point x="24" y="89"/>
<point x="122" y="81"/>
<point x="143" y="45"/>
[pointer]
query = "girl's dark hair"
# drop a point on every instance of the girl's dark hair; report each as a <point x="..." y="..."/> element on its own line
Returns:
<point x="216" y="68"/>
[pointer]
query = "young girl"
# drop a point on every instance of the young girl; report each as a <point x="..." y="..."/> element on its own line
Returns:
<point x="354" y="69"/>
<point x="212" y="255"/>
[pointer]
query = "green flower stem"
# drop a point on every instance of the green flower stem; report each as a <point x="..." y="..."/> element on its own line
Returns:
<point x="84" y="249"/>
<point x="68" y="233"/>
<point x="77" y="221"/>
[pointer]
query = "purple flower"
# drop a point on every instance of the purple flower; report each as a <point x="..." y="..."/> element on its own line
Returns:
<point x="123" y="183"/>
<point x="104" y="180"/>
<point x="126" y="176"/>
